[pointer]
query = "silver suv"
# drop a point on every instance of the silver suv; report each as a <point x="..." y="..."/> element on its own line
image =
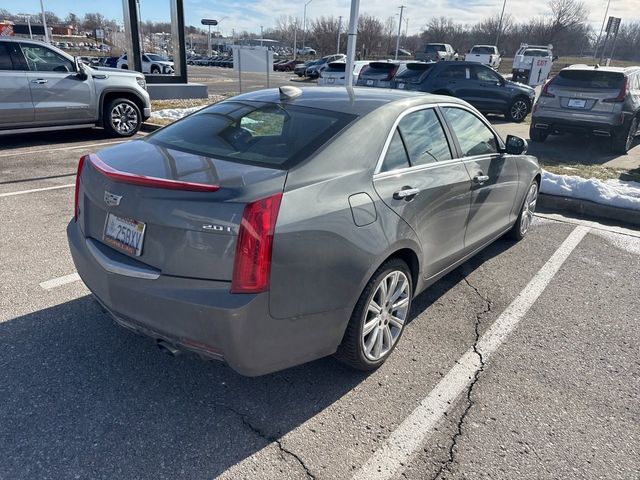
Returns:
<point x="42" y="87"/>
<point x="601" y="101"/>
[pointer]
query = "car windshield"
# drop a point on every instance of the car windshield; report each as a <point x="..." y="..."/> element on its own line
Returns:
<point x="264" y="134"/>
<point x="434" y="48"/>
<point x="590" y="79"/>
<point x="483" y="50"/>
<point x="156" y="58"/>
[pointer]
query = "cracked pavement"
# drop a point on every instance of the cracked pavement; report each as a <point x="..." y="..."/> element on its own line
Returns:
<point x="83" y="398"/>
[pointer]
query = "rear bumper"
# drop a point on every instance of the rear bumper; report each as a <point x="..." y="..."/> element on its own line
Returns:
<point x="204" y="317"/>
<point x="561" y="125"/>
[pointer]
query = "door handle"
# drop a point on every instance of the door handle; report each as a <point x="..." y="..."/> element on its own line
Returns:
<point x="480" y="179"/>
<point x="39" y="81"/>
<point x="406" y="193"/>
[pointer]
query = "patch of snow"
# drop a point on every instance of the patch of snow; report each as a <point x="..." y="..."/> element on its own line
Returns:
<point x="615" y="193"/>
<point x="175" y="113"/>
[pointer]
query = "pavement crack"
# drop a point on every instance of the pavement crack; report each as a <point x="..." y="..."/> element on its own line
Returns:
<point x="270" y="438"/>
<point x="453" y="447"/>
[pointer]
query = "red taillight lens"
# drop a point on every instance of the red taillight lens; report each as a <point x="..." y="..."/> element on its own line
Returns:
<point x="392" y="72"/>
<point x="622" y="95"/>
<point x="77" y="194"/>
<point x="252" y="263"/>
<point x="545" y="90"/>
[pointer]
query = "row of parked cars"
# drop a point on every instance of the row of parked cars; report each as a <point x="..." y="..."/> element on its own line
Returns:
<point x="212" y="61"/>
<point x="82" y="46"/>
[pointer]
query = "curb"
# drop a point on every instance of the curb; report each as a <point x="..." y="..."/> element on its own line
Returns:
<point x="150" y="127"/>
<point x="555" y="203"/>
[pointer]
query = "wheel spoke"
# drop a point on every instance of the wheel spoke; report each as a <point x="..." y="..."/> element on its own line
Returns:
<point x="392" y="288"/>
<point x="372" y="340"/>
<point x="377" y="349"/>
<point x="374" y="307"/>
<point x="396" y="321"/>
<point x="388" y="338"/>
<point x="370" y="325"/>
<point x="400" y="304"/>
<point x="398" y="291"/>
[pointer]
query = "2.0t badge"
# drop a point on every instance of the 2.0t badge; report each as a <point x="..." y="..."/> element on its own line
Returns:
<point x="111" y="199"/>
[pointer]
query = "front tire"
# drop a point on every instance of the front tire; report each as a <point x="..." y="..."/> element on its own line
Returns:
<point x="121" y="118"/>
<point x="518" y="110"/>
<point x="155" y="70"/>
<point x="379" y="317"/>
<point x="521" y="227"/>
<point x="537" y="135"/>
<point x="621" y="143"/>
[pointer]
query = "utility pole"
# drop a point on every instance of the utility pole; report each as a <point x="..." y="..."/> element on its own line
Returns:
<point x="402" y="7"/>
<point x="44" y="23"/>
<point x="304" y="24"/>
<point x="261" y="34"/>
<point x="351" y="42"/>
<point x="595" y="50"/>
<point x="504" y="4"/>
<point x="339" y="27"/>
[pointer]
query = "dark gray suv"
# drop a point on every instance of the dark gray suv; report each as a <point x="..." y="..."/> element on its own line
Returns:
<point x="253" y="232"/>
<point x="42" y="87"/>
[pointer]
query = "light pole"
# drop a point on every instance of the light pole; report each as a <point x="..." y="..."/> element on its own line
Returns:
<point x="44" y="23"/>
<point x="402" y="7"/>
<point x="352" y="38"/>
<point x="28" y="18"/>
<point x="595" y="50"/>
<point x="339" y="27"/>
<point x="261" y="34"/>
<point x="304" y="23"/>
<point x="504" y="4"/>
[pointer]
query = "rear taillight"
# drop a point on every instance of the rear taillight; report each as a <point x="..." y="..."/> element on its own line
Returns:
<point x="545" y="90"/>
<point x="252" y="263"/>
<point x="392" y="72"/>
<point x="77" y="194"/>
<point x="624" y="90"/>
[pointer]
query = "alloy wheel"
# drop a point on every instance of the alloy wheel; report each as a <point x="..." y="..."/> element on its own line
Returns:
<point x="519" y="110"/>
<point x="124" y="118"/>
<point x="386" y="315"/>
<point x="529" y="208"/>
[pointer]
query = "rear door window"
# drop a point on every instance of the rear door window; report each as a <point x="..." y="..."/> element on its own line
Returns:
<point x="455" y="72"/>
<point x="5" y="58"/>
<point x="474" y="137"/>
<point x="424" y="137"/>
<point x="265" y="134"/>
<point x="396" y="156"/>
<point x="589" y="79"/>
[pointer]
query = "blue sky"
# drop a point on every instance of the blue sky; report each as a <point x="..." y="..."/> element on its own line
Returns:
<point x="251" y="14"/>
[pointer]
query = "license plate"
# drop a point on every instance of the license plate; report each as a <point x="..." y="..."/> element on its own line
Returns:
<point x="331" y="80"/>
<point x="124" y="233"/>
<point x="521" y="70"/>
<point x="401" y="85"/>
<point x="577" y="103"/>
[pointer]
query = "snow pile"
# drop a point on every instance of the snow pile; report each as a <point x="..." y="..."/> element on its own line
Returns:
<point x="615" y="193"/>
<point x="175" y="113"/>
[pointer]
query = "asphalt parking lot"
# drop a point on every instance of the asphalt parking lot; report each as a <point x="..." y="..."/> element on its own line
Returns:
<point x="221" y="81"/>
<point x="522" y="363"/>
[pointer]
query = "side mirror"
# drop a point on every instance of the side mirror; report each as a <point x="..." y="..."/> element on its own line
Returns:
<point x="81" y="72"/>
<point x="516" y="145"/>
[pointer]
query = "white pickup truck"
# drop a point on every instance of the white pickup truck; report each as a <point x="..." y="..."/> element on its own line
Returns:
<point x="532" y="63"/>
<point x="485" y="54"/>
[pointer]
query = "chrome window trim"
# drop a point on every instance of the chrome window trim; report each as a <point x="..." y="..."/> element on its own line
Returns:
<point x="378" y="174"/>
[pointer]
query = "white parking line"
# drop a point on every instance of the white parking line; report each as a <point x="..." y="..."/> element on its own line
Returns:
<point x="19" y="151"/>
<point x="411" y="434"/>
<point x="57" y="282"/>
<point x="32" y="190"/>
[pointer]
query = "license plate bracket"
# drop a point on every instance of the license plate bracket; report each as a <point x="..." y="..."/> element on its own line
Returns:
<point x="124" y="234"/>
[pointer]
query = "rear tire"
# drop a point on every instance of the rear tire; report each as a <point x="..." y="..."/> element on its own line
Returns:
<point x="537" y="135"/>
<point x="121" y="118"/>
<point x="525" y="218"/>
<point x="383" y="308"/>
<point x="518" y="110"/>
<point x="623" y="141"/>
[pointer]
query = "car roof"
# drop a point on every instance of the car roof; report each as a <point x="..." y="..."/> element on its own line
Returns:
<point x="353" y="100"/>
<point x="603" y="69"/>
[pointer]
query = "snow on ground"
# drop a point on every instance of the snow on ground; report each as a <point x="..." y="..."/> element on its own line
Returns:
<point x="615" y="193"/>
<point x="175" y="113"/>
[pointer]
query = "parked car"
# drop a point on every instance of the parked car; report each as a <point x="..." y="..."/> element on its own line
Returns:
<point x="151" y="63"/>
<point x="49" y="89"/>
<point x="288" y="65"/>
<point x="435" y="52"/>
<point x="523" y="59"/>
<point x="306" y="51"/>
<point x="379" y="74"/>
<point x="477" y="84"/>
<point x="222" y="259"/>
<point x="315" y="69"/>
<point x="592" y="100"/>
<point x="276" y="63"/>
<point x="485" y="54"/>
<point x="401" y="52"/>
<point x="301" y="68"/>
<point x="334" y="74"/>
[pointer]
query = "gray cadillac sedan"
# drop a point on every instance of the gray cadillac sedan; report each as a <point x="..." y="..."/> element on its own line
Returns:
<point x="284" y="225"/>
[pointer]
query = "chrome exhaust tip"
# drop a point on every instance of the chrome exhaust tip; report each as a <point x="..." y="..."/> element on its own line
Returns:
<point x="168" y="348"/>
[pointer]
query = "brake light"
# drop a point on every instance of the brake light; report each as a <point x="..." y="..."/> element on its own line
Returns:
<point x="144" y="181"/>
<point x="392" y="72"/>
<point x="624" y="90"/>
<point x="77" y="193"/>
<point x="545" y="90"/>
<point x="252" y="263"/>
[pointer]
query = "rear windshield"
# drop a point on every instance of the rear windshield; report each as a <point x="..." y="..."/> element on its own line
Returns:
<point x="531" y="52"/>
<point x="264" y="134"/>
<point x="589" y="79"/>
<point x="379" y="68"/>
<point x="336" y="67"/>
<point x="414" y="72"/>
<point x="483" y="50"/>
<point x="434" y="48"/>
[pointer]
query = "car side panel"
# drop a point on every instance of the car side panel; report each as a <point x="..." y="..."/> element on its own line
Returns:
<point x="16" y="107"/>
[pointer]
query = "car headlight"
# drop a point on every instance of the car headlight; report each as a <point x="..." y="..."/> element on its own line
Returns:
<point x="142" y="82"/>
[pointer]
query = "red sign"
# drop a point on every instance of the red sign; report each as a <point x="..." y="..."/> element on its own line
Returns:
<point x="6" y="30"/>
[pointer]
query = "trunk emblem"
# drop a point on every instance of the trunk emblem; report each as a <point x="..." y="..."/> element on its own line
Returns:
<point x="111" y="199"/>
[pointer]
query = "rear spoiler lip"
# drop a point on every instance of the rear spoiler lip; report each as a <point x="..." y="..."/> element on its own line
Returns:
<point x="145" y="181"/>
